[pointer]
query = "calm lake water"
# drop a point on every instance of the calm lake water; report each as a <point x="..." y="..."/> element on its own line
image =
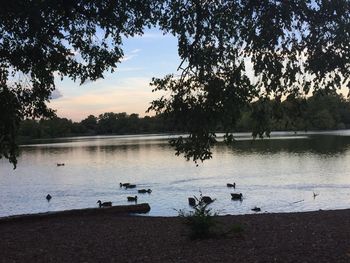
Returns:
<point x="278" y="174"/>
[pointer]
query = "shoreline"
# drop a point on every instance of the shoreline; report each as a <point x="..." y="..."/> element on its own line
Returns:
<point x="142" y="208"/>
<point x="318" y="236"/>
<point x="123" y="210"/>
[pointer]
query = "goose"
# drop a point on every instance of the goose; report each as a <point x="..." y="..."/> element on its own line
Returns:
<point x="236" y="196"/>
<point x="124" y="184"/>
<point x="130" y="186"/>
<point x="191" y="201"/>
<point x="232" y="185"/>
<point x="132" y="198"/>
<point x="143" y="191"/>
<point x="207" y="199"/>
<point x="104" y="204"/>
<point x="256" y="209"/>
<point x="48" y="197"/>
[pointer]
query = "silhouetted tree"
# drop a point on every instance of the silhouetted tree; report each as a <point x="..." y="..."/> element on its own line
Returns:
<point x="292" y="45"/>
<point x="90" y="123"/>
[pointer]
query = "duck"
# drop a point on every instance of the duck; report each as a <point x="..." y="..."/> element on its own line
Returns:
<point x="191" y="201"/>
<point x="130" y="186"/>
<point x="236" y="196"/>
<point x="48" y="197"/>
<point x="143" y="191"/>
<point x="256" y="209"/>
<point x="60" y="164"/>
<point x="132" y="198"/>
<point x="124" y="184"/>
<point x="207" y="199"/>
<point x="104" y="204"/>
<point x="231" y="185"/>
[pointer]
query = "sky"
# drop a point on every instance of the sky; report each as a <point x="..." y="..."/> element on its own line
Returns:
<point x="125" y="90"/>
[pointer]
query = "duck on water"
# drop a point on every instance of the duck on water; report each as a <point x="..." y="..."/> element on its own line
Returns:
<point x="143" y="191"/>
<point x="235" y="196"/>
<point x="104" y="204"/>
<point x="132" y="198"/>
<point x="48" y="197"/>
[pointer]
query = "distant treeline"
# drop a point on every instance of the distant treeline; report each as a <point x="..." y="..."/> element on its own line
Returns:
<point x="319" y="112"/>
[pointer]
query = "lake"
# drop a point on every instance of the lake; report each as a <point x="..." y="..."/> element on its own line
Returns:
<point x="279" y="174"/>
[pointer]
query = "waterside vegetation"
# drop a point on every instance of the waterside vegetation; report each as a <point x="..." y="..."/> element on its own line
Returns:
<point x="318" y="112"/>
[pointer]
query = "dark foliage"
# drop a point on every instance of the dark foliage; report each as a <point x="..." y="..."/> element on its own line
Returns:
<point x="319" y="112"/>
<point x="78" y="39"/>
<point x="293" y="46"/>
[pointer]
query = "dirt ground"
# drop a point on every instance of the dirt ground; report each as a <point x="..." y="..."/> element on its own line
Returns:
<point x="322" y="236"/>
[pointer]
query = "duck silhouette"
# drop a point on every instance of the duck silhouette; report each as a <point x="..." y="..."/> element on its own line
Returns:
<point x="207" y="199"/>
<point x="104" y="204"/>
<point x="132" y="198"/>
<point x="236" y="196"/>
<point x="143" y="191"/>
<point x="231" y="185"/>
<point x="191" y="201"/>
<point x="256" y="209"/>
<point x="48" y="197"/>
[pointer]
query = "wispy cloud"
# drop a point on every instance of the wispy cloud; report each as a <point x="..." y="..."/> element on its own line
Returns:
<point x="137" y="50"/>
<point x="56" y="94"/>
<point x="131" y="55"/>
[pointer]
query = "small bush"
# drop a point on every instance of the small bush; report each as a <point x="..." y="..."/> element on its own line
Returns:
<point x="201" y="220"/>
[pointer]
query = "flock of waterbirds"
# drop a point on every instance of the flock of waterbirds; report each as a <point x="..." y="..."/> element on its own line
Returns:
<point x="129" y="198"/>
<point x="192" y="201"/>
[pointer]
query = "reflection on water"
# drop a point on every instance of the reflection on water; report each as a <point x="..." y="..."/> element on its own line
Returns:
<point x="278" y="174"/>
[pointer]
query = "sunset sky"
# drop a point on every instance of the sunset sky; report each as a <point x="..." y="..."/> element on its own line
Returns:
<point x="125" y="90"/>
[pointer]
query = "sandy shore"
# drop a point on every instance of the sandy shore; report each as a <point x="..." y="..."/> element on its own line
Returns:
<point x="322" y="236"/>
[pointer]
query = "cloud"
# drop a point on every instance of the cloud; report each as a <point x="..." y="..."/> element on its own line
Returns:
<point x="56" y="94"/>
<point x="130" y="55"/>
<point x="131" y="95"/>
<point x="127" y="57"/>
<point x="137" y="50"/>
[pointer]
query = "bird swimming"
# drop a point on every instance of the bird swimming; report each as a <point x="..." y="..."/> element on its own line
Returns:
<point x="104" y="204"/>
<point x="48" y="197"/>
<point x="130" y="186"/>
<point x="256" y="209"/>
<point x="143" y="191"/>
<point x="236" y="196"/>
<point x="207" y="199"/>
<point x="132" y="198"/>
<point x="124" y="184"/>
<point x="191" y="201"/>
<point x="231" y="185"/>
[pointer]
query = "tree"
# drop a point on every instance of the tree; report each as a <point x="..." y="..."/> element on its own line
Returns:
<point x="39" y="39"/>
<point x="292" y="45"/>
<point x="90" y="123"/>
